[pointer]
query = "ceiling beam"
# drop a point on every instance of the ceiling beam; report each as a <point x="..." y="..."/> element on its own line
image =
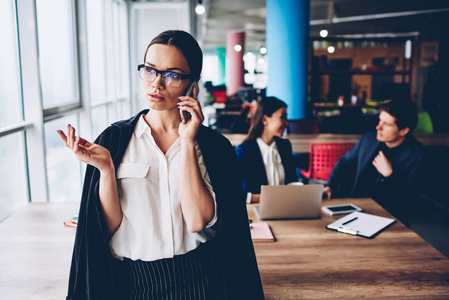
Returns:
<point x="375" y="16"/>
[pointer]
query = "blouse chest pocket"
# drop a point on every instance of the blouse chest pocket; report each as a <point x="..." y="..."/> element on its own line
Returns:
<point x="132" y="170"/>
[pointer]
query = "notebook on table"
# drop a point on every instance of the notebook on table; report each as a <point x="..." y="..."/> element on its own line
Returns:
<point x="290" y="201"/>
<point x="261" y="232"/>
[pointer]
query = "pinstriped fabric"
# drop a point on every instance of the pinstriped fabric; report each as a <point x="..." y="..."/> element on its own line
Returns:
<point x="181" y="277"/>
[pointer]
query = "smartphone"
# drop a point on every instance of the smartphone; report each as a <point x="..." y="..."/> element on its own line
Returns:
<point x="340" y="209"/>
<point x="185" y="115"/>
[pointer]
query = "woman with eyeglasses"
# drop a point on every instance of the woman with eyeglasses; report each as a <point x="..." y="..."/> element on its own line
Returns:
<point x="162" y="215"/>
<point x="265" y="157"/>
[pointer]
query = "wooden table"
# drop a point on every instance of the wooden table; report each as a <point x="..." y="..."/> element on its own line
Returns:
<point x="308" y="261"/>
<point x="301" y="142"/>
<point x="36" y="252"/>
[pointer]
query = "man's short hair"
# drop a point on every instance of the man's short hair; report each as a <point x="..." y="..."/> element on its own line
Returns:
<point x="403" y="111"/>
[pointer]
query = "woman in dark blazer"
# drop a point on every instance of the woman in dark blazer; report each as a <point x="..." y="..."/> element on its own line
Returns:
<point x="162" y="213"/>
<point x="265" y="157"/>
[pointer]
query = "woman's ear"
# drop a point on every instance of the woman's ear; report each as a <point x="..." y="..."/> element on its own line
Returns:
<point x="196" y="88"/>
<point x="265" y="120"/>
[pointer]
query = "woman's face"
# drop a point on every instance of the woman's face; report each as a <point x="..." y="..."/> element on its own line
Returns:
<point x="277" y="123"/>
<point x="158" y="95"/>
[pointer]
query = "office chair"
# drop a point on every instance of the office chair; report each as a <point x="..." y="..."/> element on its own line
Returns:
<point x="323" y="157"/>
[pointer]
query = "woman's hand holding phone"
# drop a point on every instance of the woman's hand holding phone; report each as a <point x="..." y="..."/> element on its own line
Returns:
<point x="190" y="105"/>
<point x="185" y="115"/>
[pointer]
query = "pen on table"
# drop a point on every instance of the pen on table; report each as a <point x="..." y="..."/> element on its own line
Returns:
<point x="349" y="221"/>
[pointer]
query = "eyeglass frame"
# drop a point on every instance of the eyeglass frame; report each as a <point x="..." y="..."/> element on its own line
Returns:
<point x="162" y="73"/>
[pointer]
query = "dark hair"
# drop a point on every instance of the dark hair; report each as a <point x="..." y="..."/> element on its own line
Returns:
<point x="266" y="107"/>
<point x="186" y="43"/>
<point x="404" y="111"/>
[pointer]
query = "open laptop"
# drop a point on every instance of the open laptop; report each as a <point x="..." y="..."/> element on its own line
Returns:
<point x="290" y="201"/>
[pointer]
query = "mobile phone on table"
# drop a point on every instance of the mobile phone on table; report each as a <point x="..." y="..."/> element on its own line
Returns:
<point x="340" y="209"/>
<point x="185" y="115"/>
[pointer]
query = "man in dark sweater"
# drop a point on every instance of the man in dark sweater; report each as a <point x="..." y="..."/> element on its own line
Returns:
<point x="386" y="163"/>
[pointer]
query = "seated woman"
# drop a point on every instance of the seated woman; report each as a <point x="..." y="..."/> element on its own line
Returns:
<point x="265" y="157"/>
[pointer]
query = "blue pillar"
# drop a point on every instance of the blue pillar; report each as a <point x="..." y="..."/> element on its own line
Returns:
<point x="287" y="38"/>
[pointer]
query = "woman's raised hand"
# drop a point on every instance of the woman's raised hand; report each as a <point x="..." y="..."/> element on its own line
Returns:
<point x="192" y="105"/>
<point x="87" y="152"/>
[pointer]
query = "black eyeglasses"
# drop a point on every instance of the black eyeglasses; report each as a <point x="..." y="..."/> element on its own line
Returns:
<point x="170" y="78"/>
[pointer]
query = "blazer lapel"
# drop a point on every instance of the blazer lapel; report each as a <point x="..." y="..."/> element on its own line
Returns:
<point x="259" y="171"/>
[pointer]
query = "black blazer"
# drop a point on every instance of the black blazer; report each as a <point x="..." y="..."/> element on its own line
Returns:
<point x="252" y="166"/>
<point x="94" y="273"/>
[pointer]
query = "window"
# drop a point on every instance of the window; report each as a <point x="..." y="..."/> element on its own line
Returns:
<point x="96" y="50"/>
<point x="121" y="57"/>
<point x="100" y="116"/>
<point x="63" y="169"/>
<point x="56" y="52"/>
<point x="40" y="91"/>
<point x="107" y="48"/>
<point x="13" y="178"/>
<point x="13" y="187"/>
<point x="145" y="28"/>
<point x="10" y="97"/>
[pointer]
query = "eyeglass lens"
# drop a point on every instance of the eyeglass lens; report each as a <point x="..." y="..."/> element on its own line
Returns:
<point x="170" y="78"/>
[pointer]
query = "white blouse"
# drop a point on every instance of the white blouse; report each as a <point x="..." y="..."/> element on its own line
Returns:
<point x="153" y="226"/>
<point x="273" y="163"/>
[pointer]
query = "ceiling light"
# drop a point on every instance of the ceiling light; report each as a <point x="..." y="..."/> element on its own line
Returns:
<point x="263" y="50"/>
<point x="324" y="33"/>
<point x="238" y="48"/>
<point x="200" y="9"/>
<point x="331" y="49"/>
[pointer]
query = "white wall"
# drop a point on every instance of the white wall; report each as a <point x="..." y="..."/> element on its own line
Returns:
<point x="147" y="21"/>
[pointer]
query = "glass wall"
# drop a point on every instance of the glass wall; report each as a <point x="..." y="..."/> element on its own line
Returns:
<point x="100" y="119"/>
<point x="55" y="24"/>
<point x="46" y="84"/>
<point x="58" y="73"/>
<point x="10" y="97"/>
<point x="121" y="59"/>
<point x="13" y="176"/>
<point x="150" y="19"/>
<point x="96" y="50"/>
<point x="108" y="62"/>
<point x="63" y="169"/>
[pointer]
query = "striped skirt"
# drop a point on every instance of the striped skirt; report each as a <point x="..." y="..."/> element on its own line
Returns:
<point x="185" y="276"/>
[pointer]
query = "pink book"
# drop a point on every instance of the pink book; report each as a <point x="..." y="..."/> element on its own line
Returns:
<point x="70" y="223"/>
<point x="261" y="232"/>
